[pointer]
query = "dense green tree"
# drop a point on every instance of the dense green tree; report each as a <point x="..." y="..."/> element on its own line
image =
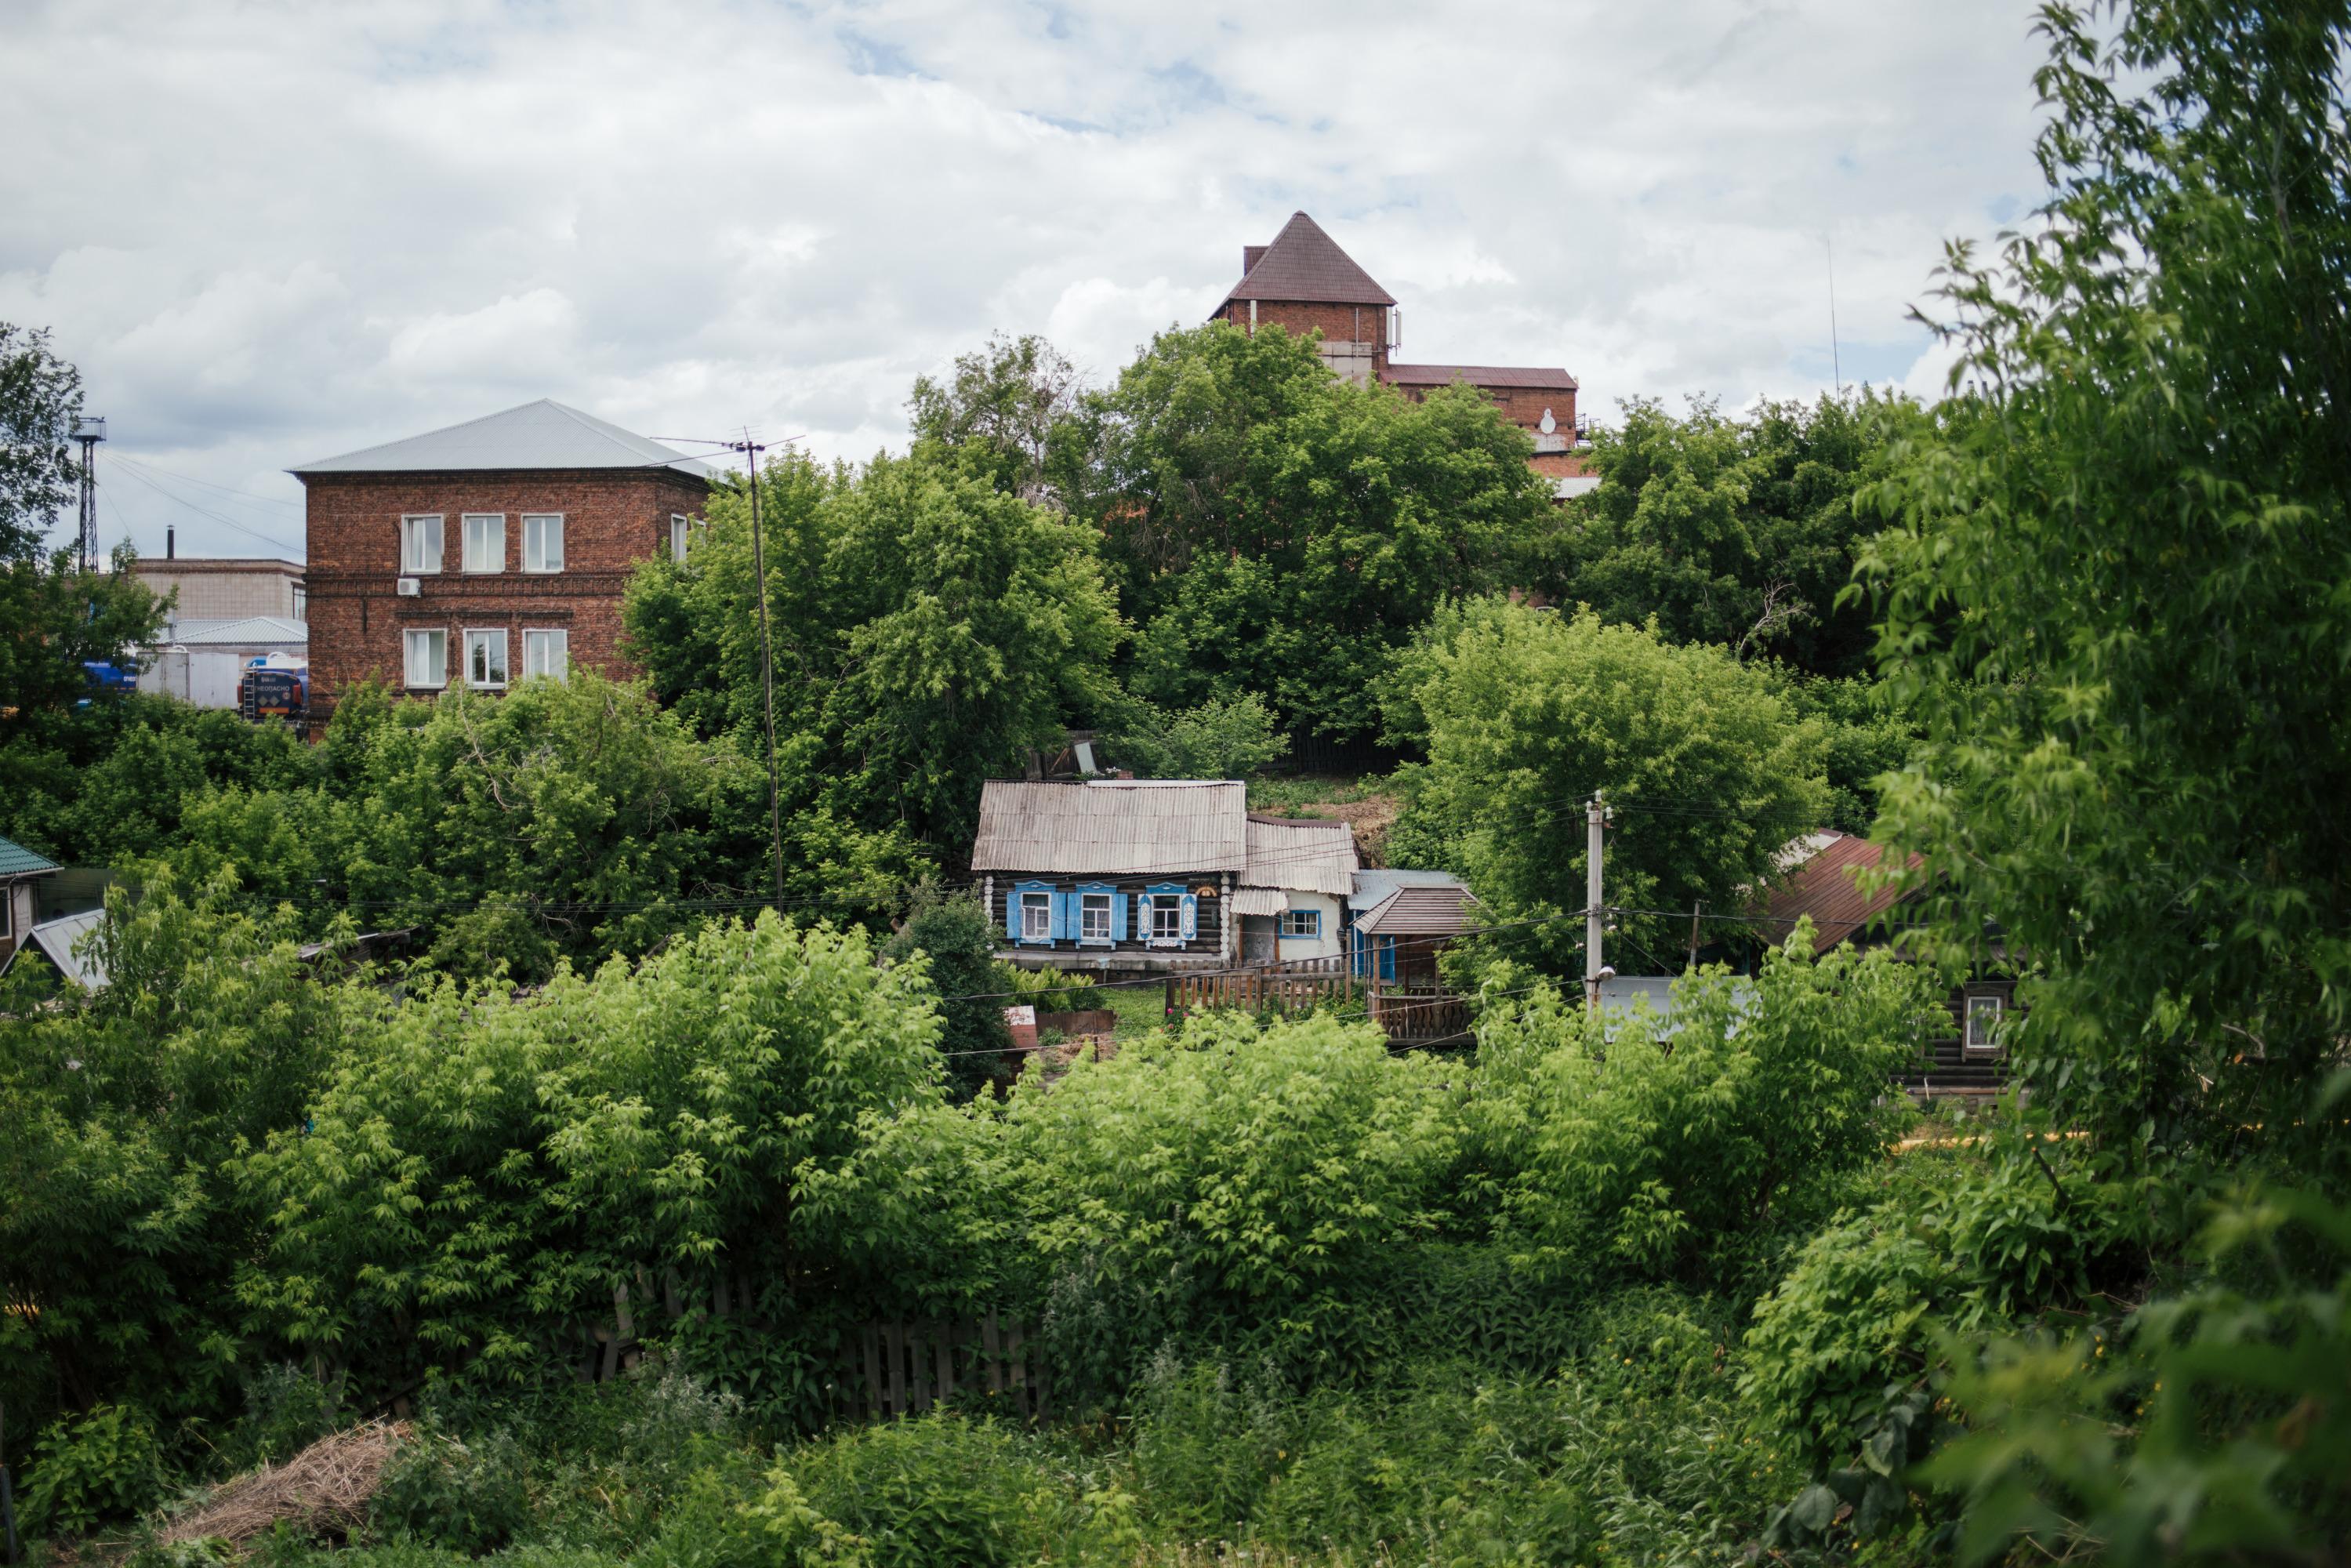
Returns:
<point x="1735" y="530"/>
<point x="1221" y="738"/>
<point x="929" y="630"/>
<point x="1006" y="414"/>
<point x="956" y="941"/>
<point x="1274" y="530"/>
<point x="40" y="402"/>
<point x="1526" y="713"/>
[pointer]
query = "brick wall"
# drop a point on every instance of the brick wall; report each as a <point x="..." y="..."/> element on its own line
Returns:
<point x="613" y="520"/>
<point x="1337" y="323"/>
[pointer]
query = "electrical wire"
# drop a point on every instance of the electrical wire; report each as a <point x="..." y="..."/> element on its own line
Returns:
<point x="132" y="469"/>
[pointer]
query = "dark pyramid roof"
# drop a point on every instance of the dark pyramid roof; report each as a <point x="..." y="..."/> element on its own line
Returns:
<point x="1305" y="264"/>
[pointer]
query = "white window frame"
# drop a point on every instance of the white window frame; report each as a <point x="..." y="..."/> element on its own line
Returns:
<point x="1171" y="910"/>
<point x="1313" y="917"/>
<point x="541" y="518"/>
<point x="472" y="560"/>
<point x="562" y="636"/>
<point x="414" y="560"/>
<point x="504" y="649"/>
<point x="409" y="641"/>
<point x="1992" y="1008"/>
<point x="680" y="528"/>
<point x="1088" y="906"/>
<point x="1036" y="917"/>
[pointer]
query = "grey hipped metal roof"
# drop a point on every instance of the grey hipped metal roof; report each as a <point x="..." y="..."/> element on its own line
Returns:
<point x="1376" y="885"/>
<point x="1302" y="855"/>
<point x="1111" y="827"/>
<point x="1306" y="266"/>
<point x="540" y="435"/>
<point x="57" y="939"/>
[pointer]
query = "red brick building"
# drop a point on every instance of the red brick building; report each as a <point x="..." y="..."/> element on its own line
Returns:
<point x="1304" y="282"/>
<point x="486" y="551"/>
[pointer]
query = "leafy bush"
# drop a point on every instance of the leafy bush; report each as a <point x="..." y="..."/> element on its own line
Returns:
<point x="466" y="1495"/>
<point x="1221" y="738"/>
<point x="102" y="1465"/>
<point x="1645" y="1144"/>
<point x="933" y="1491"/>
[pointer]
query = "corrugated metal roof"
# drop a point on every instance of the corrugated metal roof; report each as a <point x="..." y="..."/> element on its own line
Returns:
<point x="244" y="631"/>
<point x="1823" y="886"/>
<point x="545" y="434"/>
<point x="1538" y="377"/>
<point x="1306" y="266"/>
<point x="1111" y="827"/>
<point x="16" y="860"/>
<point x="58" y="938"/>
<point x="1307" y="856"/>
<point x="1260" y="900"/>
<point x="1420" y="912"/>
<point x="1374" y="884"/>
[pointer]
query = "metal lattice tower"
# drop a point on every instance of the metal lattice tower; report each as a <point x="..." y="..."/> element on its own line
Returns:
<point x="90" y="433"/>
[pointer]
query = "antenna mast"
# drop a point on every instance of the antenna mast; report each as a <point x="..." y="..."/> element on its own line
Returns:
<point x="1837" y="366"/>
<point x="90" y="433"/>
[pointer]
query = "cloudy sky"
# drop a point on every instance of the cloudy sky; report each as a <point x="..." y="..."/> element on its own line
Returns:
<point x="274" y="232"/>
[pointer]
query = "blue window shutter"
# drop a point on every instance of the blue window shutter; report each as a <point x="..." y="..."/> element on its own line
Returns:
<point x="1118" y="916"/>
<point x="1012" y="912"/>
<point x="1191" y="916"/>
<point x="1060" y="916"/>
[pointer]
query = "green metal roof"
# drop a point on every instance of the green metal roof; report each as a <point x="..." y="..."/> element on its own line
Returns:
<point x="16" y="860"/>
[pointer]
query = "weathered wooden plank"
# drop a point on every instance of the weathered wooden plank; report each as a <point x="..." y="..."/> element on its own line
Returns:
<point x="990" y="1342"/>
<point x="894" y="1343"/>
<point x="943" y="1349"/>
<point x="1015" y="1369"/>
<point x="918" y="1357"/>
<point x="873" y="1373"/>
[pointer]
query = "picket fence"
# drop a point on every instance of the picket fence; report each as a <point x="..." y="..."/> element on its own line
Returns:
<point x="889" y="1369"/>
<point x="1416" y="1016"/>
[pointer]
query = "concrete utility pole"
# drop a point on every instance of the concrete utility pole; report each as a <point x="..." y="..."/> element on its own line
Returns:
<point x="1595" y="818"/>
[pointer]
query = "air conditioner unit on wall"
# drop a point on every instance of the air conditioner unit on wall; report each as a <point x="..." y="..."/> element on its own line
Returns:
<point x="407" y="587"/>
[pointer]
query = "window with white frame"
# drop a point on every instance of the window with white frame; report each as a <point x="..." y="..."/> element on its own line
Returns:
<point x="427" y="658"/>
<point x="678" y="526"/>
<point x="1983" y="1023"/>
<point x="547" y="652"/>
<point x="1036" y="917"/>
<point x="485" y="658"/>
<point x="301" y="602"/>
<point x="1166" y="919"/>
<point x="420" y="545"/>
<point x="485" y="541"/>
<point x="1094" y="917"/>
<point x="1301" y="922"/>
<point x="542" y="542"/>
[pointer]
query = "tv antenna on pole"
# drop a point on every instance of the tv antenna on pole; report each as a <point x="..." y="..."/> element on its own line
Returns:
<point x="90" y="433"/>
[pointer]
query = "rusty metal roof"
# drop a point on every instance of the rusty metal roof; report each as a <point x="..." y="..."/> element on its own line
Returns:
<point x="1111" y="827"/>
<point x="1306" y="266"/>
<point x="1513" y="377"/>
<point x="1303" y="855"/>
<point x="1823" y="887"/>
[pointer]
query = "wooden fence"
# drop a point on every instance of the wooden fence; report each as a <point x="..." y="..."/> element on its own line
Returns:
<point x="888" y="1370"/>
<point x="1416" y="1017"/>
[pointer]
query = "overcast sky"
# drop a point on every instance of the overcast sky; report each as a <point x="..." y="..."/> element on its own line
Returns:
<point x="271" y="233"/>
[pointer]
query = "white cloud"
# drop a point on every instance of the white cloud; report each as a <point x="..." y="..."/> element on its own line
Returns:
<point x="267" y="233"/>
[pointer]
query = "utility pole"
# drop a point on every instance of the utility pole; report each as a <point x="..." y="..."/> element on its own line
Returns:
<point x="90" y="433"/>
<point x="751" y="450"/>
<point x="1595" y="818"/>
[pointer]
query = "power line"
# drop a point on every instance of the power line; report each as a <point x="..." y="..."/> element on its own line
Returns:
<point x="133" y="469"/>
<point x="209" y="484"/>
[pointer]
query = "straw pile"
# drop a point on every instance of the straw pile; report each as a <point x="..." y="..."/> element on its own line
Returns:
<point x="325" y="1489"/>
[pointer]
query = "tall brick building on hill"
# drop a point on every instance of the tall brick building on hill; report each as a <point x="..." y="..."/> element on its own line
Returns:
<point x="486" y="551"/>
<point x="1304" y="282"/>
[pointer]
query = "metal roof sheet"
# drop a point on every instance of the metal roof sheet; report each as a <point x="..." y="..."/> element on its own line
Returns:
<point x="244" y="631"/>
<point x="545" y="434"/>
<point x="16" y="860"/>
<point x="57" y="938"/>
<point x="1259" y="900"/>
<point x="1305" y="264"/>
<point x="1374" y="885"/>
<point x="1823" y="887"/>
<point x="1538" y="377"/>
<point x="1420" y="912"/>
<point x="1306" y="855"/>
<point x="1111" y="827"/>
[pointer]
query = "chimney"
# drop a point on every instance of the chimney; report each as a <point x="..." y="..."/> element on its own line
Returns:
<point x="1251" y="255"/>
<point x="171" y="542"/>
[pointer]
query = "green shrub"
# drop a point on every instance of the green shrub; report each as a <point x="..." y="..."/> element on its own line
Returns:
<point x="772" y="1527"/>
<point x="103" y="1466"/>
<point x="466" y="1496"/>
<point x="941" y="1490"/>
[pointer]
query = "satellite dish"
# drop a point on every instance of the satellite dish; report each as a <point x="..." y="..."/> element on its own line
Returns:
<point x="1548" y="424"/>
